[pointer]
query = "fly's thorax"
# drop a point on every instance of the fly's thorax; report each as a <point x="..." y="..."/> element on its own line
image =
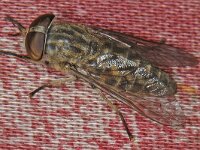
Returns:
<point x="69" y="43"/>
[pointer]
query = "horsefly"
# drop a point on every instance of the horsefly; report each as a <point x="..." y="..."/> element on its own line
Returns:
<point x="119" y="65"/>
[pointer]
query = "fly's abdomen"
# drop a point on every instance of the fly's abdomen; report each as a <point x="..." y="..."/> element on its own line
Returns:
<point x="133" y="75"/>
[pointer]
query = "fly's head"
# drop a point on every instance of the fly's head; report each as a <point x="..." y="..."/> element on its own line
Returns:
<point x="35" y="35"/>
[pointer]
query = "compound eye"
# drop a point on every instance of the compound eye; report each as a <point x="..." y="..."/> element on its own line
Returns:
<point x="35" y="45"/>
<point x="35" y="38"/>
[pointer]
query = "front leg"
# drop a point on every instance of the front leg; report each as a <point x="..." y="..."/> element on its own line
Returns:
<point x="53" y="83"/>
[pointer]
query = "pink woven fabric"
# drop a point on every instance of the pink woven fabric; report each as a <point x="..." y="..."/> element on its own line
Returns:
<point x="74" y="116"/>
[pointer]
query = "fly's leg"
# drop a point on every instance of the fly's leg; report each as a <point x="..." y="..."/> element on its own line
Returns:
<point x="115" y="108"/>
<point x="54" y="83"/>
<point x="16" y="55"/>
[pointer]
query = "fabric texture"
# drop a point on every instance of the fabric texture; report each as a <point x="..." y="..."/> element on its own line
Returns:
<point x="74" y="116"/>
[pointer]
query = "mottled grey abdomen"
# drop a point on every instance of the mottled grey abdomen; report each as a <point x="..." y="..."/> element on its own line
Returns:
<point x="134" y="75"/>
